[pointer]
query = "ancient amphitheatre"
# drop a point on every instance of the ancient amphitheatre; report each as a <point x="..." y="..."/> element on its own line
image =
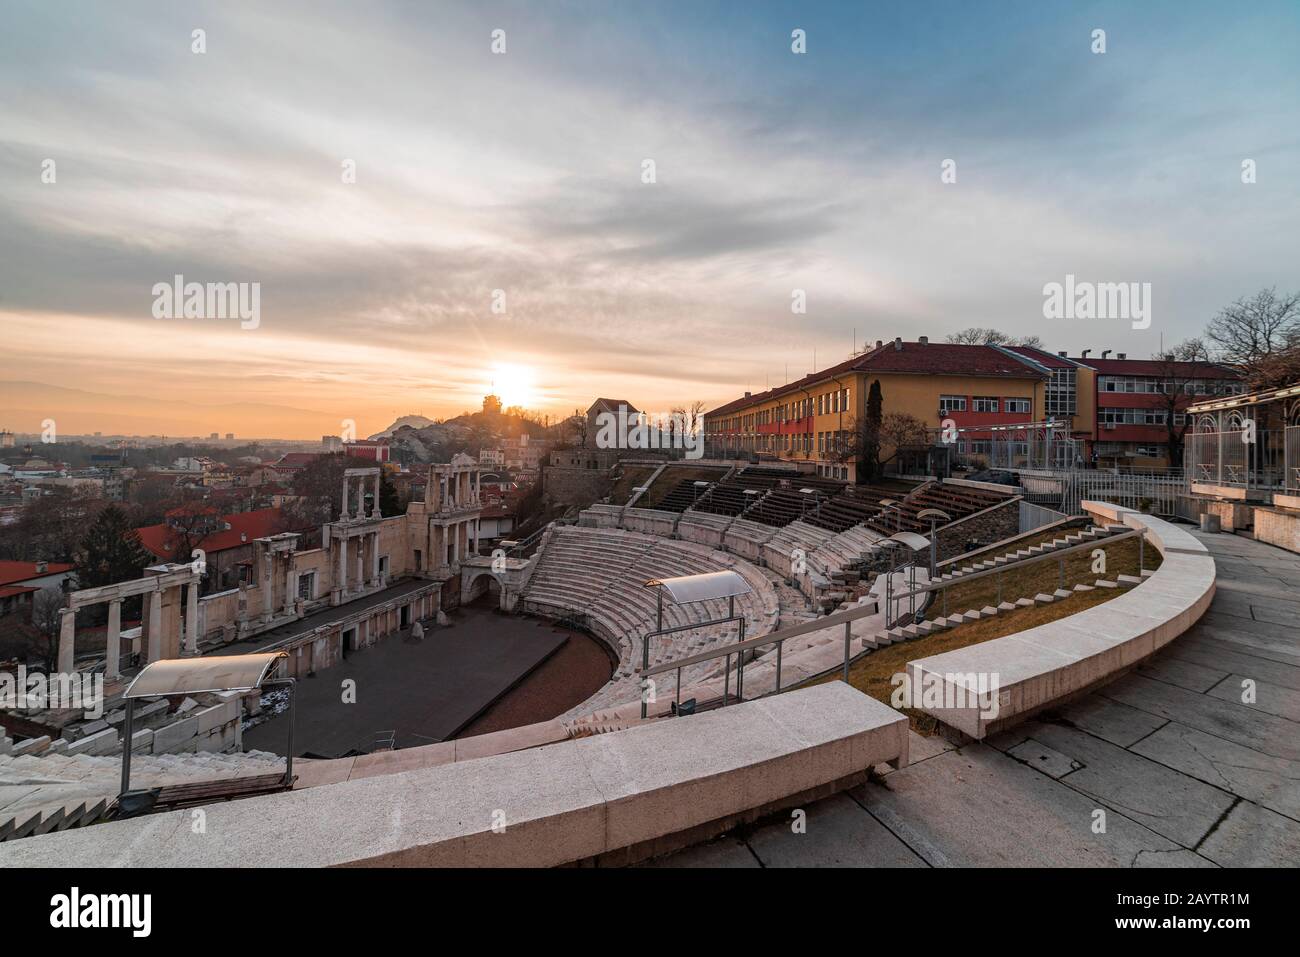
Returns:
<point x="738" y="604"/>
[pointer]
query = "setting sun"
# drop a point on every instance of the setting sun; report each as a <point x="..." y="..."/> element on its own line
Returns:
<point x="514" y="385"/>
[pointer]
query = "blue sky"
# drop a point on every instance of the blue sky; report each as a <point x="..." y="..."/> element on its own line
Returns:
<point x="522" y="171"/>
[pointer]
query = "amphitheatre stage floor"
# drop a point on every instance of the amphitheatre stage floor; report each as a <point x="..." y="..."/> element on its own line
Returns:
<point x="426" y="691"/>
<point x="322" y="617"/>
<point x="1187" y="774"/>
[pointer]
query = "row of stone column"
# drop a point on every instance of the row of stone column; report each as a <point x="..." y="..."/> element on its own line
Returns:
<point x="361" y="500"/>
<point x="113" y="634"/>
<point x="342" y="570"/>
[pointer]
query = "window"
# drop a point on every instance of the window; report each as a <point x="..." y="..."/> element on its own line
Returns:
<point x="985" y="404"/>
<point x="307" y="586"/>
<point x="1017" y="405"/>
<point x="952" y="403"/>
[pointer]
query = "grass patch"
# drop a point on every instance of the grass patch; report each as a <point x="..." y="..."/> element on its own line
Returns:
<point x="633" y="476"/>
<point x="871" y="674"/>
<point x="675" y="474"/>
<point x="1028" y="540"/>
<point x="1026" y="581"/>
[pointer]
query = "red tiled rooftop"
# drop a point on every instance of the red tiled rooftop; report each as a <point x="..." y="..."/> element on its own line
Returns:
<point x="914" y="358"/>
<point x="161" y="540"/>
<point x="11" y="572"/>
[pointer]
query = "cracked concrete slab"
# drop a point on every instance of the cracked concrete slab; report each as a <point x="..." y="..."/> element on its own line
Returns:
<point x="1252" y="836"/>
<point x="838" y="833"/>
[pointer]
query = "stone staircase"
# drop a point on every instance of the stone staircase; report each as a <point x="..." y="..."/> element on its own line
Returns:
<point x="55" y="792"/>
<point x="1092" y="533"/>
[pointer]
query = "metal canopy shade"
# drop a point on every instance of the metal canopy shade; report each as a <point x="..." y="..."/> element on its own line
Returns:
<point x="214" y="673"/>
<point x="911" y="540"/>
<point x="686" y="589"/>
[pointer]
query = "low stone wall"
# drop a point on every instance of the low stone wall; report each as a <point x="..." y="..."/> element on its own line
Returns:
<point x="703" y="528"/>
<point x="611" y="798"/>
<point x="1278" y="526"/>
<point x="651" y="521"/>
<point x="1042" y="666"/>
<point x="1232" y="514"/>
<point x="601" y="516"/>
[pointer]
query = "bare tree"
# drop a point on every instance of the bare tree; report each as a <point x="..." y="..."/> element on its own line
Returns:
<point x="1187" y="375"/>
<point x="981" y="336"/>
<point x="899" y="429"/>
<point x="1252" y="330"/>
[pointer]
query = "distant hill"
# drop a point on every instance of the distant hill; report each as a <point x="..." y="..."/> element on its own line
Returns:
<point x="407" y="421"/>
<point x="423" y="440"/>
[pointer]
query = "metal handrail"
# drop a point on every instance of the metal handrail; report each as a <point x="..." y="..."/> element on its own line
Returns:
<point x="1057" y="553"/>
<point x="864" y="611"/>
<point x="779" y="638"/>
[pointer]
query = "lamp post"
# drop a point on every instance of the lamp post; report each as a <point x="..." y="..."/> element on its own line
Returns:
<point x="890" y="545"/>
<point x="935" y="516"/>
<point x="885" y="505"/>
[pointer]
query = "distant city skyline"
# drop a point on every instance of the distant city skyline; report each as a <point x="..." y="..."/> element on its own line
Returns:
<point x="500" y="235"/>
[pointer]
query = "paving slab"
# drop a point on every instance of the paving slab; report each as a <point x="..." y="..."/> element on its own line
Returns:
<point x="838" y="833"/>
<point x="1225" y="719"/>
<point x="1042" y="758"/>
<point x="979" y="807"/>
<point x="1252" y="836"/>
<point x="1109" y="720"/>
<point x="1174" y="671"/>
<point x="1180" y="807"/>
<point x="1270" y="781"/>
<point x="1220" y="654"/>
<point x="1269" y="698"/>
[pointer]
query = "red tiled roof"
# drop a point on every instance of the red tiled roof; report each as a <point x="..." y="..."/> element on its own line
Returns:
<point x="914" y="358"/>
<point x="11" y="572"/>
<point x="611" y="405"/>
<point x="161" y="540"/>
<point x="8" y="591"/>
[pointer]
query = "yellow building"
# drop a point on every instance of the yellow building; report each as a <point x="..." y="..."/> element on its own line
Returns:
<point x="942" y="385"/>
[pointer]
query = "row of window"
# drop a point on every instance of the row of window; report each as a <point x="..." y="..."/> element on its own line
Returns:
<point x="983" y="403"/>
<point x="1154" y="385"/>
<point x="1138" y="417"/>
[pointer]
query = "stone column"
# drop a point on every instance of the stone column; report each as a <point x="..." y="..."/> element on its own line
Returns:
<point x="455" y="542"/>
<point x="192" y="618"/>
<point x="343" y="566"/>
<point x="268" y="583"/>
<point x="113" y="645"/>
<point x="67" y="640"/>
<point x="153" y="651"/>
<point x="374" y="506"/>
<point x="345" y="516"/>
<point x="375" y="558"/>
<point x="290" y="586"/>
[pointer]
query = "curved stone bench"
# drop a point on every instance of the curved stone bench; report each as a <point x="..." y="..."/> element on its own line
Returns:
<point x="612" y="798"/>
<point x="1050" y="663"/>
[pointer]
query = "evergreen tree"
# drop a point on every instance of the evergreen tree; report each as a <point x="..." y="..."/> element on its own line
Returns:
<point x="111" y="551"/>
<point x="870" y="462"/>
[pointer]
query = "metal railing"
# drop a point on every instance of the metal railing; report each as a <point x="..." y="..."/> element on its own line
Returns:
<point x="1254" y="458"/>
<point x="738" y="649"/>
<point x="1056" y="553"/>
<point x="1065" y="491"/>
<point x="779" y="638"/>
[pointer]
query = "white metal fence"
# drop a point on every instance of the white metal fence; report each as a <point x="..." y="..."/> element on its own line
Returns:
<point x="1065" y="490"/>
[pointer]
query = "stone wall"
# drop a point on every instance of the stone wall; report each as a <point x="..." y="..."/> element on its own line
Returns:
<point x="1278" y="526"/>
<point x="991" y="525"/>
<point x="581" y="487"/>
